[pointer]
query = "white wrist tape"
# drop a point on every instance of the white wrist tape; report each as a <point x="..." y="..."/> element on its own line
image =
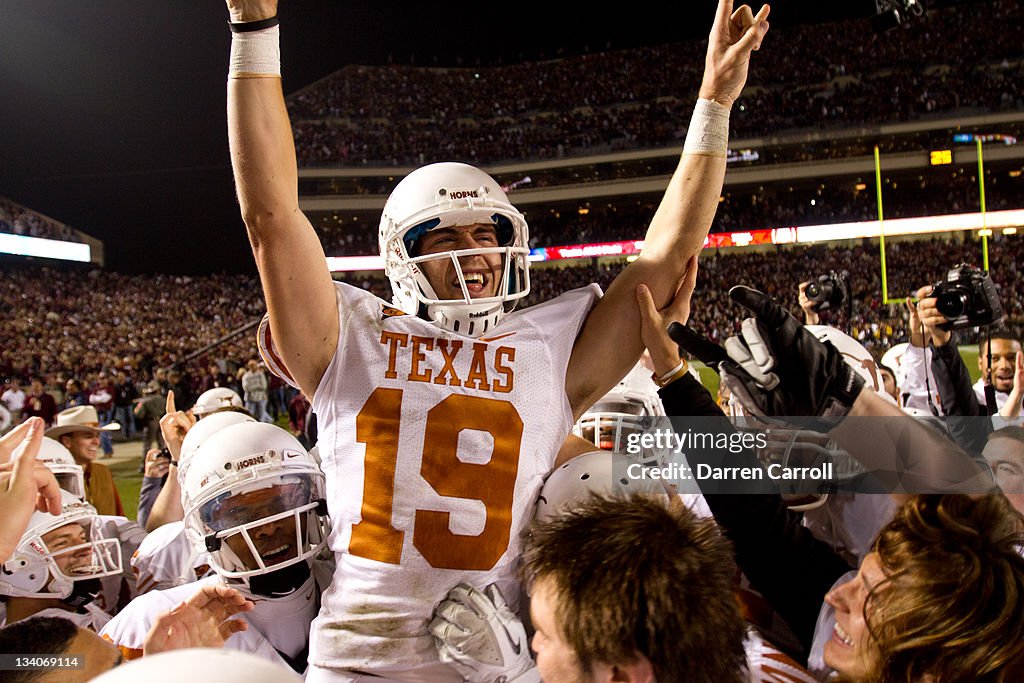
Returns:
<point x="709" y="129"/>
<point x="256" y="53"/>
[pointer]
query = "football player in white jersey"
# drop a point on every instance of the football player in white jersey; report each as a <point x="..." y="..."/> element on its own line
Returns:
<point x="439" y="415"/>
<point x="57" y="567"/>
<point x="254" y="503"/>
<point x="116" y="590"/>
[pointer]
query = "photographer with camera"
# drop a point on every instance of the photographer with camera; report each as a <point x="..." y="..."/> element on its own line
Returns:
<point x="967" y="298"/>
<point x="825" y="293"/>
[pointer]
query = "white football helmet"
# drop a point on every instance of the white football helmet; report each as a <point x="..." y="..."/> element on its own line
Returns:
<point x="200" y="664"/>
<point x="69" y="474"/>
<point x="57" y="550"/>
<point x="600" y="472"/>
<point x="216" y="399"/>
<point x="204" y="429"/>
<point x="632" y="407"/>
<point x="445" y="195"/>
<point x="893" y="359"/>
<point x="855" y="355"/>
<point x="254" y="499"/>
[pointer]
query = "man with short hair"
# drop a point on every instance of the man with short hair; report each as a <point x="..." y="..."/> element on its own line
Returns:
<point x="201" y="621"/>
<point x="14" y="399"/>
<point x="254" y="385"/>
<point x="101" y="397"/>
<point x="125" y="394"/>
<point x="610" y="576"/>
<point x="1004" y="452"/>
<point x="78" y="429"/>
<point x="889" y="382"/>
<point x="613" y="576"/>
<point x="53" y="636"/>
<point x="40" y="403"/>
<point x="999" y="359"/>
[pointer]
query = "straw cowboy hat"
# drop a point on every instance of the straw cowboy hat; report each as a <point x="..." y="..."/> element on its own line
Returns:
<point x="79" y="419"/>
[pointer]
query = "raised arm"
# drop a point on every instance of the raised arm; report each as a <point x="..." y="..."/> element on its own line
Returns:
<point x="609" y="344"/>
<point x="293" y="270"/>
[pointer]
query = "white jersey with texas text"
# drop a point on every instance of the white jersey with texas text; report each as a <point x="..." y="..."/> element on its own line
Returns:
<point x="435" y="447"/>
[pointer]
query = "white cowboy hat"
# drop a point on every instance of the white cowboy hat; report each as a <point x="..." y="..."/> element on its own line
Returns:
<point x="79" y="419"/>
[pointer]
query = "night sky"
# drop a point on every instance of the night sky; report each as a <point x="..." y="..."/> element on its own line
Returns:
<point x="112" y="113"/>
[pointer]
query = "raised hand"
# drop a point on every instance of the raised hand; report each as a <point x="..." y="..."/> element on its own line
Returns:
<point x="26" y="485"/>
<point x="776" y="367"/>
<point x="654" y="321"/>
<point x="734" y="35"/>
<point x="174" y="425"/>
<point x="204" y="620"/>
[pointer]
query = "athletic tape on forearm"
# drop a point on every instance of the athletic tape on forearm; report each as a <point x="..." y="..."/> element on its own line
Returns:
<point x="256" y="53"/>
<point x="709" y="129"/>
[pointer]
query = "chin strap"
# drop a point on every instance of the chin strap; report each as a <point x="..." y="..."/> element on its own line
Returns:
<point x="83" y="592"/>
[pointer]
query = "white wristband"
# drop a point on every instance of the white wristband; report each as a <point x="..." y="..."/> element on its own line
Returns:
<point x="709" y="129"/>
<point x="256" y="53"/>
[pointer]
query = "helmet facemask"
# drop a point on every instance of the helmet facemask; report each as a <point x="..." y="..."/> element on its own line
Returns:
<point x="616" y="421"/>
<point x="427" y="200"/>
<point x="273" y="521"/>
<point x="59" y="551"/>
<point x="611" y="425"/>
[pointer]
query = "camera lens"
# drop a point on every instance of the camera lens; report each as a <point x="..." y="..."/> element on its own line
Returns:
<point x="952" y="305"/>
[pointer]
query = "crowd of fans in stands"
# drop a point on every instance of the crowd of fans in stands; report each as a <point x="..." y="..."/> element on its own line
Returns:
<point x="641" y="97"/>
<point x="742" y="208"/>
<point x="63" y="326"/>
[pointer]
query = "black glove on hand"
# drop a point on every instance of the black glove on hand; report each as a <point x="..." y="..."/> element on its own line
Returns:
<point x="776" y="367"/>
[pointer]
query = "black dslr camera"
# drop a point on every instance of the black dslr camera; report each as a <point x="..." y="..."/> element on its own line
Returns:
<point x="828" y="291"/>
<point x="967" y="298"/>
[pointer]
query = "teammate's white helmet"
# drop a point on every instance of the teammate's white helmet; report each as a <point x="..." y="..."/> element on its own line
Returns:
<point x="630" y="408"/>
<point x="166" y="558"/>
<point x="445" y="195"/>
<point x="200" y="664"/>
<point x="600" y="472"/>
<point x="204" y="429"/>
<point x="254" y="498"/>
<point x="57" y="550"/>
<point x="215" y="399"/>
<point x="855" y="355"/>
<point x="69" y="474"/>
<point x="893" y="359"/>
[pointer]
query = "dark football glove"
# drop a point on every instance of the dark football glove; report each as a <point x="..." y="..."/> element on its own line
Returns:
<point x="776" y="367"/>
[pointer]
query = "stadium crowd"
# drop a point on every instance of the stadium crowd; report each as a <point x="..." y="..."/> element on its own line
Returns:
<point x="66" y="325"/>
<point x="404" y="114"/>
<point x="741" y="208"/>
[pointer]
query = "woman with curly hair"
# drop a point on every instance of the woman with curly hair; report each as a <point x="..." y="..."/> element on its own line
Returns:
<point x="939" y="598"/>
